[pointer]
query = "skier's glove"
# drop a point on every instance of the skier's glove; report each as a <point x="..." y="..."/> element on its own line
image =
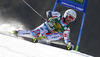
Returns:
<point x="49" y="13"/>
<point x="70" y="46"/>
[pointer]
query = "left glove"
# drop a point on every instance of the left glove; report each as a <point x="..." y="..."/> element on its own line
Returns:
<point x="70" y="46"/>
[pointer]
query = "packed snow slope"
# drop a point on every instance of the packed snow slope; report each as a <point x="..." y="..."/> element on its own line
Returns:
<point x="13" y="47"/>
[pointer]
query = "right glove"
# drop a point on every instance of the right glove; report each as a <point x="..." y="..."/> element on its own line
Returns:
<point x="49" y="13"/>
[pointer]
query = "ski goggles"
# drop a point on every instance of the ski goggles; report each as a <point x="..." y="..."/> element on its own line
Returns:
<point x="71" y="18"/>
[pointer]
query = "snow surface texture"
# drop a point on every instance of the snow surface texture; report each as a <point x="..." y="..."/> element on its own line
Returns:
<point x="12" y="47"/>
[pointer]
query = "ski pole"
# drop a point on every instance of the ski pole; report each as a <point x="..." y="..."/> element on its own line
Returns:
<point x="55" y="6"/>
<point x="80" y="32"/>
<point x="34" y="10"/>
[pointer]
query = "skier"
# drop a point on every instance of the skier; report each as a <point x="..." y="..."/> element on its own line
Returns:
<point x="57" y="27"/>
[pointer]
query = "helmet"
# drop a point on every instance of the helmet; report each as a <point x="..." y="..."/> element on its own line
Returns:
<point x="70" y="12"/>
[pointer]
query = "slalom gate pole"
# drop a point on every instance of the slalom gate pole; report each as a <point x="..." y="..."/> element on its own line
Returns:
<point x="34" y="10"/>
<point x="55" y="6"/>
<point x="80" y="32"/>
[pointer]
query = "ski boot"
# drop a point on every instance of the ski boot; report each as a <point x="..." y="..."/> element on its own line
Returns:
<point x="42" y="37"/>
<point x="35" y="40"/>
<point x="15" y="32"/>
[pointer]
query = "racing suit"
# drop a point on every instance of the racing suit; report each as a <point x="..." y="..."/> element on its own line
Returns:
<point x="54" y="29"/>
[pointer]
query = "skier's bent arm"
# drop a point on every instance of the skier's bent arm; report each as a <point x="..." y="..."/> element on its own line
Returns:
<point x="66" y="36"/>
<point x="67" y="40"/>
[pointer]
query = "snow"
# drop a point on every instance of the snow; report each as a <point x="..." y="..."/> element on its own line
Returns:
<point x="13" y="47"/>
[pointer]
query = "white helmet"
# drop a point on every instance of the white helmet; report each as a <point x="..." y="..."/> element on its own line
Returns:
<point x="70" y="12"/>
